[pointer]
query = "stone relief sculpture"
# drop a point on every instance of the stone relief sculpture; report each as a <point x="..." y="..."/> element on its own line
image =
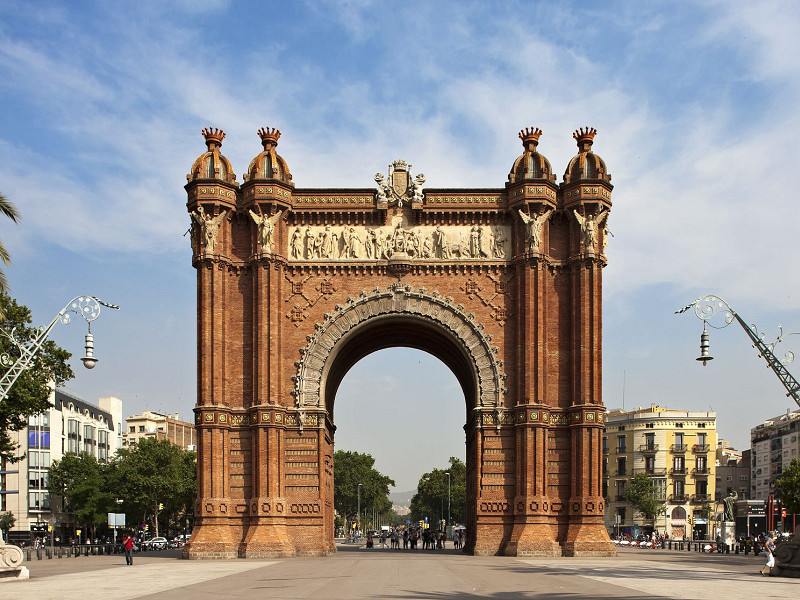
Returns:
<point x="209" y="228"/>
<point x="296" y="244"/>
<point x="448" y="242"/>
<point x="535" y="224"/>
<point x="266" y="229"/>
<point x="589" y="226"/>
<point x="606" y="235"/>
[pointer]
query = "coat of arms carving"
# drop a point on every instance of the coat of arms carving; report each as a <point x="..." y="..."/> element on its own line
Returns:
<point x="399" y="187"/>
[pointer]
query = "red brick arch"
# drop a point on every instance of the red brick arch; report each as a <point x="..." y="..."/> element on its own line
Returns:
<point x="295" y="285"/>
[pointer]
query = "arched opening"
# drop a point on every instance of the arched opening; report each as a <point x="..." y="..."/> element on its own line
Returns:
<point x="398" y="331"/>
<point x="405" y="409"/>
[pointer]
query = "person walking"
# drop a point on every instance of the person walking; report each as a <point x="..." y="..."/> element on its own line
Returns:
<point x="127" y="544"/>
<point x="769" y="548"/>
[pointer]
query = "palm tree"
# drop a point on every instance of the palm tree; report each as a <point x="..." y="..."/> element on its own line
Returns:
<point x="9" y="210"/>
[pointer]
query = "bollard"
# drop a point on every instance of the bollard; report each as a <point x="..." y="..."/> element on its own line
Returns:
<point x="39" y="554"/>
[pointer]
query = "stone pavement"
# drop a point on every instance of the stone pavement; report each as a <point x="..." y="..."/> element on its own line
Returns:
<point x="358" y="573"/>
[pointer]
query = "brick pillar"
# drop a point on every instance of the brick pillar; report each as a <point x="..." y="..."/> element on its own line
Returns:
<point x="533" y="532"/>
<point x="586" y="534"/>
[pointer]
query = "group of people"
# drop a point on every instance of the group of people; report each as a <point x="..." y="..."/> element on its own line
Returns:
<point x="411" y="538"/>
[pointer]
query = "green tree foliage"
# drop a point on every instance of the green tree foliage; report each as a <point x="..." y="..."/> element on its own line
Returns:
<point x="350" y="469"/>
<point x="641" y="493"/>
<point x="9" y="210"/>
<point x="7" y="521"/>
<point x="30" y="395"/>
<point x="83" y="483"/>
<point x="152" y="473"/>
<point x="789" y="485"/>
<point x="431" y="497"/>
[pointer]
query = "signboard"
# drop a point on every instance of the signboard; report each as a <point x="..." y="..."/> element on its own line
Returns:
<point x="116" y="520"/>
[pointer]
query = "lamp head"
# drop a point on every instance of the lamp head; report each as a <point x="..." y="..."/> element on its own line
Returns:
<point x="89" y="361"/>
<point x="705" y="356"/>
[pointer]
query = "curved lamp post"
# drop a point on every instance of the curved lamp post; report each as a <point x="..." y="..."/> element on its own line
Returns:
<point x="706" y="308"/>
<point x="709" y="306"/>
<point x="86" y="307"/>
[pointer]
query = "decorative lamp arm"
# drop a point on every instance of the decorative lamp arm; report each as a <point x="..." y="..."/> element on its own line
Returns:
<point x="87" y="307"/>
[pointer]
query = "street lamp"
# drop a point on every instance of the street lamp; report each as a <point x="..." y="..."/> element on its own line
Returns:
<point x="707" y="307"/>
<point x="359" y="507"/>
<point x="448" y="501"/>
<point x="86" y="307"/>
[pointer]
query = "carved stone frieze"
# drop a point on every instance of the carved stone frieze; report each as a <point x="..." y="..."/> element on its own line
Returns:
<point x="421" y="242"/>
<point x="399" y="299"/>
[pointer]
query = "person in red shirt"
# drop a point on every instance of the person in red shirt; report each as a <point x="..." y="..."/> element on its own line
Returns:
<point x="127" y="543"/>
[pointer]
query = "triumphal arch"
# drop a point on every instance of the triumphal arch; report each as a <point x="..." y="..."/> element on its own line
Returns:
<point x="295" y="285"/>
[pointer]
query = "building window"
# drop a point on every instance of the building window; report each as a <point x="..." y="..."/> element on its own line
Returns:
<point x="677" y="464"/>
<point x="649" y="464"/>
<point x="701" y="439"/>
<point x="680" y="487"/>
<point x="679" y="425"/>
<point x="621" y="443"/>
<point x="141" y="428"/>
<point x="650" y="441"/>
<point x="621" y="470"/>
<point x="661" y="488"/>
<point x="702" y="487"/>
<point x="679" y="439"/>
<point x="700" y="464"/>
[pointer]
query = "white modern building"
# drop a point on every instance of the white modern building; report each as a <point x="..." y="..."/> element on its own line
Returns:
<point x="774" y="443"/>
<point x="71" y="425"/>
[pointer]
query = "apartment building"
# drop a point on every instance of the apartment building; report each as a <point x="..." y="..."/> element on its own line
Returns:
<point x="159" y="426"/>
<point x="677" y="450"/>
<point x="774" y="443"/>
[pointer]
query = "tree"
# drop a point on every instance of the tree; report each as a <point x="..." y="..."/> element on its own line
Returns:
<point x="7" y="521"/>
<point x="154" y="476"/>
<point x="10" y="211"/>
<point x="431" y="496"/>
<point x="350" y="469"/>
<point x="641" y="493"/>
<point x="30" y="394"/>
<point x="789" y="485"/>
<point x="84" y="484"/>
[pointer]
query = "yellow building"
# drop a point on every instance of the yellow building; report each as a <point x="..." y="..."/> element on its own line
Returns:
<point x="676" y="448"/>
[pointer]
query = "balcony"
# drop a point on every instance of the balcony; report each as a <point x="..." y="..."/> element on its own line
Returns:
<point x="701" y="498"/>
<point x="678" y="448"/>
<point x="621" y="472"/>
<point x="648" y="448"/>
<point x="652" y="472"/>
<point x="700" y="448"/>
<point x="620" y="497"/>
<point x="678" y="471"/>
<point x="678" y="498"/>
<point x="701" y="471"/>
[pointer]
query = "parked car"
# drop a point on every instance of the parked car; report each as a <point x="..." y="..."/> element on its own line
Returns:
<point x="156" y="543"/>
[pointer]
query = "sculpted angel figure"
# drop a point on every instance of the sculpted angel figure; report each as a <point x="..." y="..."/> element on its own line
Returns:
<point x="535" y="225"/>
<point x="209" y="228"/>
<point x="266" y="229"/>
<point x="589" y="226"/>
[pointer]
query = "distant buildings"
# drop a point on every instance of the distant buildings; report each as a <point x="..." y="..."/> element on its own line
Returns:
<point x="774" y="443"/>
<point x="733" y="472"/>
<point x="161" y="427"/>
<point x="71" y="425"/>
<point x="677" y="450"/>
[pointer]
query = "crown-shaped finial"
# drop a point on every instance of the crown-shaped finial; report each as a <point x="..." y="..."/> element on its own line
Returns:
<point x="213" y="136"/>
<point x="530" y="137"/>
<point x="585" y="137"/>
<point x="269" y="137"/>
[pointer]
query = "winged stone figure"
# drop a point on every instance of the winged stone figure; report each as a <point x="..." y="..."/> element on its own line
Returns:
<point x="266" y="229"/>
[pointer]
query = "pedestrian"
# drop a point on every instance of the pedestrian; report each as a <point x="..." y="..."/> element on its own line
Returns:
<point x="769" y="548"/>
<point x="127" y="544"/>
<point x="383" y="538"/>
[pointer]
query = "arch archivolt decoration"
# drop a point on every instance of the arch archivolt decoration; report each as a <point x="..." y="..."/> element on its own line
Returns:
<point x="399" y="299"/>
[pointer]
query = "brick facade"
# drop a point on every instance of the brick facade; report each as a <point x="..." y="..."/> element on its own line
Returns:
<point x="296" y="285"/>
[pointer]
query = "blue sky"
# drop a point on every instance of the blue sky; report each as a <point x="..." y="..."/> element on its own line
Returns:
<point x="695" y="106"/>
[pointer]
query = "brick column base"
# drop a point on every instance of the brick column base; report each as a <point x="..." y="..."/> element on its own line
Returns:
<point x="588" y="538"/>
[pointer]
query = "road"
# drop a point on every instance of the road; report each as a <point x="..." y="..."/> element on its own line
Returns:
<point x="356" y="573"/>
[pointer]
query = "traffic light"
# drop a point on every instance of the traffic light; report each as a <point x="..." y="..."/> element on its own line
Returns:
<point x="160" y="506"/>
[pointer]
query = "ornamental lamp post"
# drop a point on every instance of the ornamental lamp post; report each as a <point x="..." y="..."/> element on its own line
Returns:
<point x="86" y="307"/>
<point x="709" y="306"/>
<point x="359" y="508"/>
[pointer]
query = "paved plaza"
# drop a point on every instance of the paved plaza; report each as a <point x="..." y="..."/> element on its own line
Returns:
<point x="357" y="573"/>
